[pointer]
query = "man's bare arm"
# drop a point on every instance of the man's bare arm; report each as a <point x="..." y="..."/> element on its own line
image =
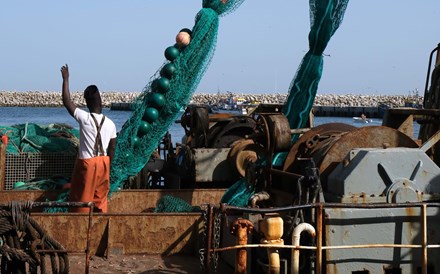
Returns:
<point x="111" y="149"/>
<point x="68" y="103"/>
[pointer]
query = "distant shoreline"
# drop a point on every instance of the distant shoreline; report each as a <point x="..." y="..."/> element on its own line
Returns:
<point x="53" y="99"/>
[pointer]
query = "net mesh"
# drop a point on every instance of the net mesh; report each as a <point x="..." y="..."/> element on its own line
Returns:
<point x="238" y="194"/>
<point x="135" y="144"/>
<point x="33" y="138"/>
<point x="325" y="18"/>
<point x="39" y="157"/>
<point x="149" y="121"/>
<point x="174" y="204"/>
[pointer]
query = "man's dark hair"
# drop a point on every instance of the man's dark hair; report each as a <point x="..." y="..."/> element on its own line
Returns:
<point x="92" y="96"/>
<point x="90" y="92"/>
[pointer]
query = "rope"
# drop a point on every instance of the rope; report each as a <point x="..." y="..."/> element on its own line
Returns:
<point x="21" y="249"/>
<point x="20" y="214"/>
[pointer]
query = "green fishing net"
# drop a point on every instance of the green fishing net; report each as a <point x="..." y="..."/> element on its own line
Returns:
<point x="325" y="18"/>
<point x="238" y="194"/>
<point x="174" y="204"/>
<point x="33" y="138"/>
<point x="168" y="91"/>
<point x="53" y="183"/>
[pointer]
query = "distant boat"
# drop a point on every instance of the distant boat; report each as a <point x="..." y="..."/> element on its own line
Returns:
<point x="362" y="120"/>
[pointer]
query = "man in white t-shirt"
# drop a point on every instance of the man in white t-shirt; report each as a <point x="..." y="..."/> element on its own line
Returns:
<point x="90" y="180"/>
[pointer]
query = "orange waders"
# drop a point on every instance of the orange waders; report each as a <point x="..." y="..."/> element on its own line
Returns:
<point x="91" y="178"/>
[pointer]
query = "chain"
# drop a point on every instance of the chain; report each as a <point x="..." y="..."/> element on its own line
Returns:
<point x="203" y="236"/>
<point x="217" y="230"/>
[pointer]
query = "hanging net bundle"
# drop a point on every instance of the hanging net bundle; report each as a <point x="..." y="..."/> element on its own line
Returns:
<point x="169" y="90"/>
<point x="325" y="18"/>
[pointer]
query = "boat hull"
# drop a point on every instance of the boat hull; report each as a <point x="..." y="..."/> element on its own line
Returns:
<point x="130" y="226"/>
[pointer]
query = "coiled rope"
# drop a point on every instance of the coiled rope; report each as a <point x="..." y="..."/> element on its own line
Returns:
<point x="22" y="238"/>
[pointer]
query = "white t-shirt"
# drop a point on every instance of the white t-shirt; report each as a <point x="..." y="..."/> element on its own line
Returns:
<point x="87" y="129"/>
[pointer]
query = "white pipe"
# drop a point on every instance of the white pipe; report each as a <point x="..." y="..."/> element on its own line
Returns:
<point x="258" y="197"/>
<point x="295" y="242"/>
<point x="274" y="261"/>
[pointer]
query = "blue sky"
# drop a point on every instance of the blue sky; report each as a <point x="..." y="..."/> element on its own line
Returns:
<point x="381" y="47"/>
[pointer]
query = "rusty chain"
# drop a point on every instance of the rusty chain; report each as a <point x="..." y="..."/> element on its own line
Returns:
<point x="203" y="236"/>
<point x="217" y="230"/>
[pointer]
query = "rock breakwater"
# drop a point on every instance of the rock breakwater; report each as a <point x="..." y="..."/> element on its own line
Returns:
<point x="53" y="99"/>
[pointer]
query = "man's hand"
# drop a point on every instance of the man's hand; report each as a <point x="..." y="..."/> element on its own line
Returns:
<point x="65" y="72"/>
<point x="70" y="106"/>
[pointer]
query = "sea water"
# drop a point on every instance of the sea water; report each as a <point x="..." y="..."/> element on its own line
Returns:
<point x="50" y="115"/>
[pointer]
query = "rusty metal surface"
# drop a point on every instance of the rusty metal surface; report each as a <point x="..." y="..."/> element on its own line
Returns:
<point x="136" y="201"/>
<point x="243" y="152"/>
<point x="241" y="228"/>
<point x="148" y="233"/>
<point x="164" y="234"/>
<point x="211" y="165"/>
<point x="7" y="196"/>
<point x="407" y="126"/>
<point x="239" y="146"/>
<point x="300" y="148"/>
<point x="431" y="142"/>
<point x="280" y="132"/>
<point x="401" y="120"/>
<point x="223" y="135"/>
<point x="378" y="226"/>
<point x="328" y="144"/>
<point x="70" y="230"/>
<point x="374" y="175"/>
<point x="364" y="137"/>
<point x="127" y="201"/>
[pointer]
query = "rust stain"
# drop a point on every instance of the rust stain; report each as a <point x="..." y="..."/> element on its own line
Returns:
<point x="409" y="211"/>
<point x="138" y="233"/>
<point x="412" y="226"/>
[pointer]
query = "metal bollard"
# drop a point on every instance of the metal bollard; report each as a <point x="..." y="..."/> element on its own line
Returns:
<point x="272" y="228"/>
<point x="241" y="228"/>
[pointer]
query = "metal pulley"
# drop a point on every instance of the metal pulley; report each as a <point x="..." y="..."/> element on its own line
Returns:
<point x="313" y="143"/>
<point x="223" y="135"/>
<point x="275" y="131"/>
<point x="195" y="122"/>
<point x="243" y="152"/>
<point x="329" y="144"/>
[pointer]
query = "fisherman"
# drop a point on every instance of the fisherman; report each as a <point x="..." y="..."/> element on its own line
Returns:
<point x="91" y="175"/>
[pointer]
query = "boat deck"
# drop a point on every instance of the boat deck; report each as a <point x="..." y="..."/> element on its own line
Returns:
<point x="142" y="264"/>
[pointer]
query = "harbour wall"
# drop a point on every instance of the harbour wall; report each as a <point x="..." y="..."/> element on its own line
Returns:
<point x="324" y="105"/>
<point x="335" y="111"/>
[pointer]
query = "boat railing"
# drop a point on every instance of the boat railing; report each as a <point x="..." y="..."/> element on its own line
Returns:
<point x="320" y="247"/>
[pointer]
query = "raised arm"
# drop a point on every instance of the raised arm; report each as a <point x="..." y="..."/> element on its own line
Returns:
<point x="68" y="103"/>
